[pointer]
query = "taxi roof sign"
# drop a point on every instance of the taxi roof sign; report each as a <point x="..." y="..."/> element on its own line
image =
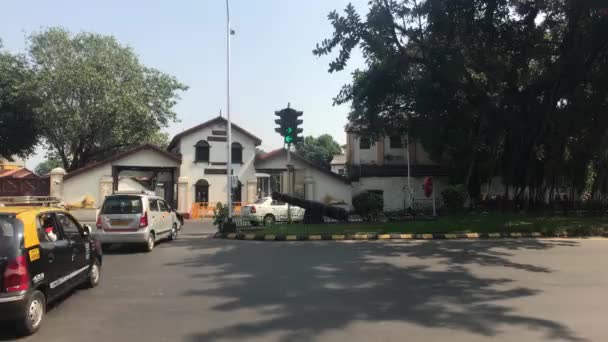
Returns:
<point x="29" y="200"/>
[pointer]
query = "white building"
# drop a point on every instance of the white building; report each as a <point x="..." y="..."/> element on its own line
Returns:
<point x="191" y="173"/>
<point x="338" y="164"/>
<point x="204" y="155"/>
<point x="381" y="166"/>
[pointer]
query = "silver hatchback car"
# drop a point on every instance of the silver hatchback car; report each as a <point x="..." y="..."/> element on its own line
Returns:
<point x="136" y="218"/>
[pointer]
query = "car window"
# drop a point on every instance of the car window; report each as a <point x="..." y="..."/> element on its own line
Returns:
<point x="153" y="204"/>
<point x="275" y="202"/>
<point x="68" y="224"/>
<point x="122" y="205"/>
<point x="48" y="230"/>
<point x="163" y="206"/>
<point x="260" y="201"/>
<point x="6" y="227"/>
<point x="9" y="233"/>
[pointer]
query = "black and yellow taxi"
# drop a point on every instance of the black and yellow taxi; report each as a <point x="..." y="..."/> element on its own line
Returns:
<point x="44" y="252"/>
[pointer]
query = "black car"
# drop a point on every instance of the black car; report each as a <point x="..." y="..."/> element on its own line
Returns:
<point x="44" y="252"/>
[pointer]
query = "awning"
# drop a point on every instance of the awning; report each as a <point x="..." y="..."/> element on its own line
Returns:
<point x="262" y="175"/>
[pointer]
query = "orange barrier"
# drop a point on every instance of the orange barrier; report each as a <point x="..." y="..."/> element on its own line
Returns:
<point x="203" y="209"/>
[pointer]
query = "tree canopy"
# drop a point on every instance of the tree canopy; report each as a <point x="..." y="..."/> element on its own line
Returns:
<point x="96" y="98"/>
<point x="320" y="150"/>
<point x="45" y="167"/>
<point x="18" y="128"/>
<point x="515" y="89"/>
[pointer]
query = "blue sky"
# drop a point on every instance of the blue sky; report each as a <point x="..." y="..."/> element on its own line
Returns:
<point x="272" y="61"/>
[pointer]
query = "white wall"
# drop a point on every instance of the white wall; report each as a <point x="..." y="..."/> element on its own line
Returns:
<point x="86" y="183"/>
<point x="367" y="156"/>
<point x="217" y="153"/>
<point x="395" y="189"/>
<point x="336" y="167"/>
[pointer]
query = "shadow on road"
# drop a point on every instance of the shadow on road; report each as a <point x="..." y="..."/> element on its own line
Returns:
<point x="306" y="289"/>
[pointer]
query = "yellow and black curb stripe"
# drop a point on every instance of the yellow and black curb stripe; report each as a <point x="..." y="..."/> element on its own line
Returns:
<point x="374" y="236"/>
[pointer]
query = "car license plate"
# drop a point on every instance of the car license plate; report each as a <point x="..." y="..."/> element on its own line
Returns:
<point x="120" y="222"/>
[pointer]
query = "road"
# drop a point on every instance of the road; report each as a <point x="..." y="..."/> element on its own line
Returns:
<point x="202" y="289"/>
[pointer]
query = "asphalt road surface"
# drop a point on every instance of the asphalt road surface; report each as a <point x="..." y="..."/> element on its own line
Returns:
<point x="201" y="289"/>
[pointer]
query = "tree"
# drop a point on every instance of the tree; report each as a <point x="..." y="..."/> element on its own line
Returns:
<point x="514" y="89"/>
<point x="19" y="131"/>
<point x="320" y="150"/>
<point x="97" y="99"/>
<point x="46" y="166"/>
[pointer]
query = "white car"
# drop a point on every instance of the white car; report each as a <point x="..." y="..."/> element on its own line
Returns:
<point x="268" y="211"/>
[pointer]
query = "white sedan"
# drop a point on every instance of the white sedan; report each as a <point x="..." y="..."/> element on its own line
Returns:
<point x="268" y="211"/>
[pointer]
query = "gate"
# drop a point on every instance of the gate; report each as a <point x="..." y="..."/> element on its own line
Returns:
<point x="25" y="186"/>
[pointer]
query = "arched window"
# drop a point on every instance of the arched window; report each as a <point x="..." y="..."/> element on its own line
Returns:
<point x="201" y="151"/>
<point x="201" y="191"/>
<point x="237" y="153"/>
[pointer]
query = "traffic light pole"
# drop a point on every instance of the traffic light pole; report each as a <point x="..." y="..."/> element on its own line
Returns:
<point x="289" y="181"/>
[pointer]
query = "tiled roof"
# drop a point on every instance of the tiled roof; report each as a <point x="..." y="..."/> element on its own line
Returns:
<point x="134" y="150"/>
<point x="18" y="173"/>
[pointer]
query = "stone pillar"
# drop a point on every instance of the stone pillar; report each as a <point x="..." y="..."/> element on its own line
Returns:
<point x="309" y="185"/>
<point x="56" y="180"/>
<point x="252" y="190"/>
<point x="106" y="187"/>
<point x="182" y="195"/>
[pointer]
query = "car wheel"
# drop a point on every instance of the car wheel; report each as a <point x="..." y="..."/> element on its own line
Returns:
<point x="268" y="220"/>
<point x="173" y="235"/>
<point x="150" y="243"/>
<point x="33" y="315"/>
<point x="94" y="275"/>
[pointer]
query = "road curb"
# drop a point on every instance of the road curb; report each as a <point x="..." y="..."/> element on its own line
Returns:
<point x="392" y="236"/>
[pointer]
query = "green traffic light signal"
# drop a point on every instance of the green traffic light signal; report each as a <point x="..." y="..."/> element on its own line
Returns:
<point x="288" y="139"/>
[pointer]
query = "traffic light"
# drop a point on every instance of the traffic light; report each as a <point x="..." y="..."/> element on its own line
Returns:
<point x="288" y="125"/>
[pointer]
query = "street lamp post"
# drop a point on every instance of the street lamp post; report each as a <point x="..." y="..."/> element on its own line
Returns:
<point x="229" y="225"/>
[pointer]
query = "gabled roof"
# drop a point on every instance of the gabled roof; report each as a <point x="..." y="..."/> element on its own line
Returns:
<point x="213" y="121"/>
<point x="18" y="173"/>
<point x="282" y="151"/>
<point x="134" y="150"/>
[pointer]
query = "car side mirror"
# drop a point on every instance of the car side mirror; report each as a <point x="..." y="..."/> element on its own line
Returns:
<point x="87" y="230"/>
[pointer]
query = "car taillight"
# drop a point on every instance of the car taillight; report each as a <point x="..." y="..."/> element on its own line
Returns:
<point x="253" y="210"/>
<point x="143" y="220"/>
<point x="98" y="223"/>
<point x="16" y="276"/>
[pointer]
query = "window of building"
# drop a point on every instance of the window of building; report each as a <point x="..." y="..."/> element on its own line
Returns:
<point x="201" y="191"/>
<point x="396" y="142"/>
<point x="364" y="143"/>
<point x="341" y="172"/>
<point x="237" y="153"/>
<point x="201" y="151"/>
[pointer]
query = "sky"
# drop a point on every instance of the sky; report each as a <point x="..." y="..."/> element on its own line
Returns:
<point x="272" y="61"/>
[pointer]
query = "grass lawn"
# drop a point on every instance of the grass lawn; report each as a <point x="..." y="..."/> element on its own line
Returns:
<point x="463" y="223"/>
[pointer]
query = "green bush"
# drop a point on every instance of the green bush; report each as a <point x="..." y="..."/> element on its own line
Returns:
<point x="454" y="197"/>
<point x="220" y="214"/>
<point x="368" y="204"/>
